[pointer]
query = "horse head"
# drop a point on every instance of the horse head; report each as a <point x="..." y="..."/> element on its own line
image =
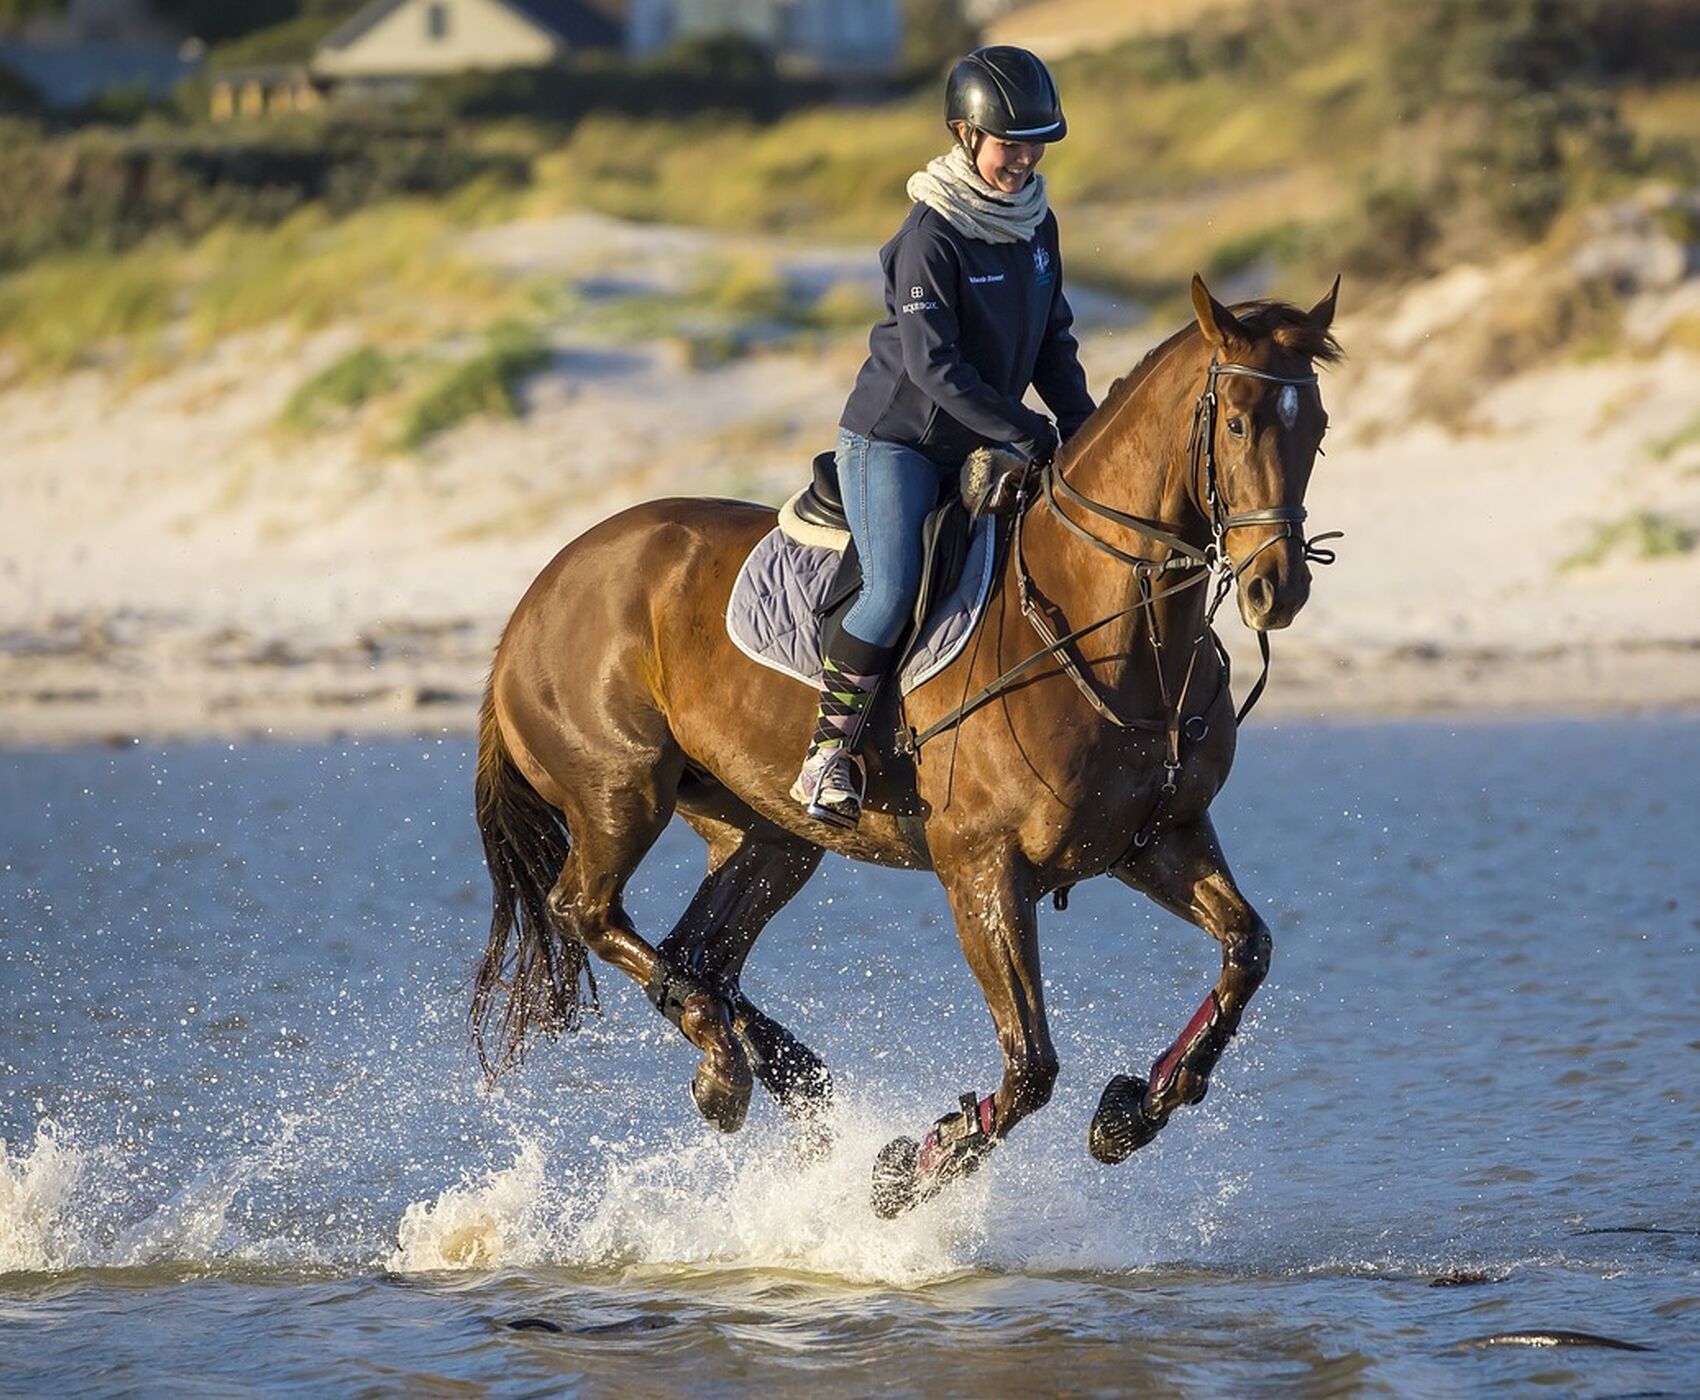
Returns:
<point x="1257" y="431"/>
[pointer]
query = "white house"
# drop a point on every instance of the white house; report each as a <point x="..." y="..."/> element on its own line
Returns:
<point x="832" y="36"/>
<point x="418" y="38"/>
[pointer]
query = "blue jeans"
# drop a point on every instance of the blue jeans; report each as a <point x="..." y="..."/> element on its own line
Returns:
<point x="888" y="491"/>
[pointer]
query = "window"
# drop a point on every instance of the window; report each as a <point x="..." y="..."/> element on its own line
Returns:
<point x="437" y="21"/>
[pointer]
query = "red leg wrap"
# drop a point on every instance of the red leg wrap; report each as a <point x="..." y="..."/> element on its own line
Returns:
<point x="1168" y="1064"/>
<point x="948" y="1133"/>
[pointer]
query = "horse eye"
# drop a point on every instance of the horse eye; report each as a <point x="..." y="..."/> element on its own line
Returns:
<point x="1236" y="426"/>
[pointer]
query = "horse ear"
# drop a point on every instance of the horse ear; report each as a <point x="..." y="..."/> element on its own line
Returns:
<point x="1217" y="322"/>
<point x="1322" y="314"/>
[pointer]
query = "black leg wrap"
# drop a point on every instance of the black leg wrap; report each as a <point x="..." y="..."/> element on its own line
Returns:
<point x="669" y="989"/>
<point x="786" y="1067"/>
<point x="1121" y="1126"/>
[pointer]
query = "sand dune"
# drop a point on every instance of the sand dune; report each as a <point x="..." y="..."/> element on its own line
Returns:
<point x="1057" y="27"/>
<point x="172" y="565"/>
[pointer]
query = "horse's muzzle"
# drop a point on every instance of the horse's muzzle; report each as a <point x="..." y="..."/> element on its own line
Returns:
<point x="1274" y="588"/>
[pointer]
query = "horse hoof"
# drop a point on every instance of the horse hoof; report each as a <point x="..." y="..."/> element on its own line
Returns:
<point x="724" y="1103"/>
<point x="1121" y="1126"/>
<point x="897" y="1180"/>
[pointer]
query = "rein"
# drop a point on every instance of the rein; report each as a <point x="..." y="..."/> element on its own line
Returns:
<point x="1201" y="564"/>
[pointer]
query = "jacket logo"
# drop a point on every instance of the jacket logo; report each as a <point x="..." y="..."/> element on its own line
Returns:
<point x="916" y="293"/>
<point x="1041" y="260"/>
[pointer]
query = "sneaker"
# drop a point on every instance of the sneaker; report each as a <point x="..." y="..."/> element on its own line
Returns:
<point x="831" y="785"/>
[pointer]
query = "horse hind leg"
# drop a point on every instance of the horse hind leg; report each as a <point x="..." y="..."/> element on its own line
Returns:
<point x="1184" y="871"/>
<point x="612" y="832"/>
<point x="754" y="869"/>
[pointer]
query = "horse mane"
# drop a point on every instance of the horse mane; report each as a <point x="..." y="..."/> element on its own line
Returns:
<point x="1287" y="325"/>
<point x="1290" y="328"/>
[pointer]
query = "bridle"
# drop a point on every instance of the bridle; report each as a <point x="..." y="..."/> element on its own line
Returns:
<point x="1210" y="562"/>
<point x="1201" y="454"/>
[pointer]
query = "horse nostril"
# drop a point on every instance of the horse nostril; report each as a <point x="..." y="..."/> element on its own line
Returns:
<point x="1260" y="593"/>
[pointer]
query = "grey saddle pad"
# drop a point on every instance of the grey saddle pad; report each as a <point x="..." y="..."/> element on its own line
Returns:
<point x="771" y="614"/>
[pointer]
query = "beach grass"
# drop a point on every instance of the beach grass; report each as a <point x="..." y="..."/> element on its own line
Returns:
<point x="63" y="312"/>
<point x="395" y="269"/>
<point x="1640" y="535"/>
<point x="485" y="383"/>
<point x="1662" y="449"/>
<point x="345" y="385"/>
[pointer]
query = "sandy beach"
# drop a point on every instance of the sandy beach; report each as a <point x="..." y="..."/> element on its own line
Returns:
<point x="174" y="566"/>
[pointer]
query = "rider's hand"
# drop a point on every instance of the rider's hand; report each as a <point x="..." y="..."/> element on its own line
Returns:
<point x="1039" y="450"/>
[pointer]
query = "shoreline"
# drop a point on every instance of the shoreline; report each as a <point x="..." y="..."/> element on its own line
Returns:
<point x="178" y="568"/>
<point x="63" y="702"/>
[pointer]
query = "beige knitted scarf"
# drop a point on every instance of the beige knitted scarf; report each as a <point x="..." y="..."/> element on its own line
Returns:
<point x="952" y="186"/>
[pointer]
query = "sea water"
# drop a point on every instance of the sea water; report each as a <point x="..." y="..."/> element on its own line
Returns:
<point x="245" y="1146"/>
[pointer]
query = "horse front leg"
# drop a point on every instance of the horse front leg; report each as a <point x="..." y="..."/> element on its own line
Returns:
<point x="992" y="900"/>
<point x="1183" y="870"/>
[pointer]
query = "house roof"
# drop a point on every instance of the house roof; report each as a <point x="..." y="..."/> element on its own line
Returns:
<point x="576" y="21"/>
<point x="573" y="22"/>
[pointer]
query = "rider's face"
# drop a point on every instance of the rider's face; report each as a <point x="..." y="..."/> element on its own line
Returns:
<point x="1007" y="166"/>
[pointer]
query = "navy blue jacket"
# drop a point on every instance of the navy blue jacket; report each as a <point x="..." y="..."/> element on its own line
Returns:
<point x="968" y="326"/>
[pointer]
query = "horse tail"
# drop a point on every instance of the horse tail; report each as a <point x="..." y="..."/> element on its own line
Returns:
<point x="527" y="957"/>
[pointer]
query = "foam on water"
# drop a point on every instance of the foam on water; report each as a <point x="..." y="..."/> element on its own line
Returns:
<point x="500" y="1220"/>
<point x="37" y="1233"/>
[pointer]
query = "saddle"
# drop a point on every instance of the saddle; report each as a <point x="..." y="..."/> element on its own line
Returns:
<point x="989" y="482"/>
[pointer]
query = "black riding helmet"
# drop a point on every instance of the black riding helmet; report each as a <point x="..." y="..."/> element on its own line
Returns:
<point x="1006" y="92"/>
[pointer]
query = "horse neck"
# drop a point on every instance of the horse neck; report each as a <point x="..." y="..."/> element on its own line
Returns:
<point x="1137" y="463"/>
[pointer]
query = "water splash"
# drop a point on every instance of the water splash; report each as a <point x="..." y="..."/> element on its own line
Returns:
<point x="500" y="1219"/>
<point x="193" y="1223"/>
<point x="708" y="1201"/>
<point x="37" y="1232"/>
<point x="696" y="1201"/>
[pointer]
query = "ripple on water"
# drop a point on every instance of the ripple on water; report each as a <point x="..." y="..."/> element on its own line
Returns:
<point x="240" y="1121"/>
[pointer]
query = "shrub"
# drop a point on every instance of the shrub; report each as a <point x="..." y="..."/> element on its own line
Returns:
<point x="1391" y="232"/>
<point x="17" y="94"/>
<point x="102" y="189"/>
<point x="846" y="305"/>
<point x="1644" y="535"/>
<point x="341" y="387"/>
<point x="483" y="384"/>
<point x="1278" y="243"/>
<point x="749" y="288"/>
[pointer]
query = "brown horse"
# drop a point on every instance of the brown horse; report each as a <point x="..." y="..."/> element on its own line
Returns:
<point x="616" y="699"/>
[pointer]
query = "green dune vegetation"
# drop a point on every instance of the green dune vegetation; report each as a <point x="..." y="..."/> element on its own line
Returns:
<point x="1268" y="146"/>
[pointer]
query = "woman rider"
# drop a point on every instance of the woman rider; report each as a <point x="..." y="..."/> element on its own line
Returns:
<point x="975" y="313"/>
